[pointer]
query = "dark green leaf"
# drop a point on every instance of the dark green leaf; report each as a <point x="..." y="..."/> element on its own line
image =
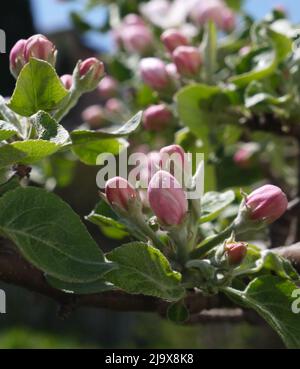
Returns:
<point x="80" y="288"/>
<point x="50" y="235"/>
<point x="272" y="297"/>
<point x="143" y="269"/>
<point x="213" y="203"/>
<point x="178" y="313"/>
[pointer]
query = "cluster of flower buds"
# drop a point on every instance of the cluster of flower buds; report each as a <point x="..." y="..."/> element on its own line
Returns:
<point x="216" y="11"/>
<point x="37" y="46"/>
<point x="134" y="35"/>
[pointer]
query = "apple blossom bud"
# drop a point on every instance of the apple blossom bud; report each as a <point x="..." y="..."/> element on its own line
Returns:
<point x="88" y="74"/>
<point x="114" y="106"/>
<point x="172" y="71"/>
<point x="107" y="87"/>
<point x="216" y="11"/>
<point x="157" y="117"/>
<point x="93" y="65"/>
<point x="267" y="203"/>
<point x="38" y="46"/>
<point x="228" y="20"/>
<point x="67" y="81"/>
<point x="153" y="72"/>
<point x="149" y="167"/>
<point x="187" y="60"/>
<point x="167" y="199"/>
<point x="244" y="155"/>
<point x="236" y="252"/>
<point x="16" y="58"/>
<point x="94" y="116"/>
<point x="244" y="50"/>
<point x="133" y="19"/>
<point x="173" y="160"/>
<point x="172" y="38"/>
<point x="137" y="39"/>
<point x="119" y="192"/>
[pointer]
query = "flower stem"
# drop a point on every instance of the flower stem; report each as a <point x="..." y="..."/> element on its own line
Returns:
<point x="70" y="102"/>
<point x="206" y="247"/>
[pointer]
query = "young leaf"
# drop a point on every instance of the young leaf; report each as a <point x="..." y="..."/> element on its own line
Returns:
<point x="38" y="88"/>
<point x="88" y="151"/>
<point x="178" y="313"/>
<point x="108" y="222"/>
<point x="213" y="203"/>
<point x="7" y="130"/>
<point x="35" y="150"/>
<point x="83" y="136"/>
<point x="144" y="270"/>
<point x="272" y="298"/>
<point x="48" y="129"/>
<point x="80" y="288"/>
<point x="10" y="155"/>
<point x="50" y="235"/>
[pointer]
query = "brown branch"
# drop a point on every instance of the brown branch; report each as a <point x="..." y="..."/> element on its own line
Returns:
<point x="268" y="122"/>
<point x="17" y="271"/>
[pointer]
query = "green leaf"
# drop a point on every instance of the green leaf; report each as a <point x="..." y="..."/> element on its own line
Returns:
<point x="38" y="88"/>
<point x="83" y="136"/>
<point x="48" y="129"/>
<point x="272" y="298"/>
<point x="11" y="184"/>
<point x="80" y="288"/>
<point x="89" y="151"/>
<point x="143" y="269"/>
<point x="266" y="62"/>
<point x="10" y="155"/>
<point x="213" y="203"/>
<point x="26" y="152"/>
<point x="178" y="313"/>
<point x="108" y="222"/>
<point x="7" y="130"/>
<point x="50" y="235"/>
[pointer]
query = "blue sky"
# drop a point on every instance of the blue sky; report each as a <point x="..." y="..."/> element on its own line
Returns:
<point x="53" y="15"/>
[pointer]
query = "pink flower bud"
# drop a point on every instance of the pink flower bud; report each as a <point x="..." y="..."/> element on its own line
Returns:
<point x="94" y="116"/>
<point x="92" y="65"/>
<point x="244" y="50"/>
<point x="172" y="71"/>
<point x="187" y="60"/>
<point x="38" y="46"/>
<point x="67" y="81"/>
<point x="114" y="106"/>
<point x="153" y="72"/>
<point x="228" y="20"/>
<point x="167" y="199"/>
<point x="173" y="160"/>
<point x="267" y="203"/>
<point x="243" y="156"/>
<point x="133" y="19"/>
<point x="107" y="87"/>
<point x="16" y="58"/>
<point x="172" y="38"/>
<point x="216" y="11"/>
<point x="149" y="167"/>
<point x="157" y="117"/>
<point x="137" y="39"/>
<point x="236" y="252"/>
<point x="119" y="192"/>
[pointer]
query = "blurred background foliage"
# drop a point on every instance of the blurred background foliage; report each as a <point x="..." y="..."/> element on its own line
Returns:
<point x="34" y="322"/>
